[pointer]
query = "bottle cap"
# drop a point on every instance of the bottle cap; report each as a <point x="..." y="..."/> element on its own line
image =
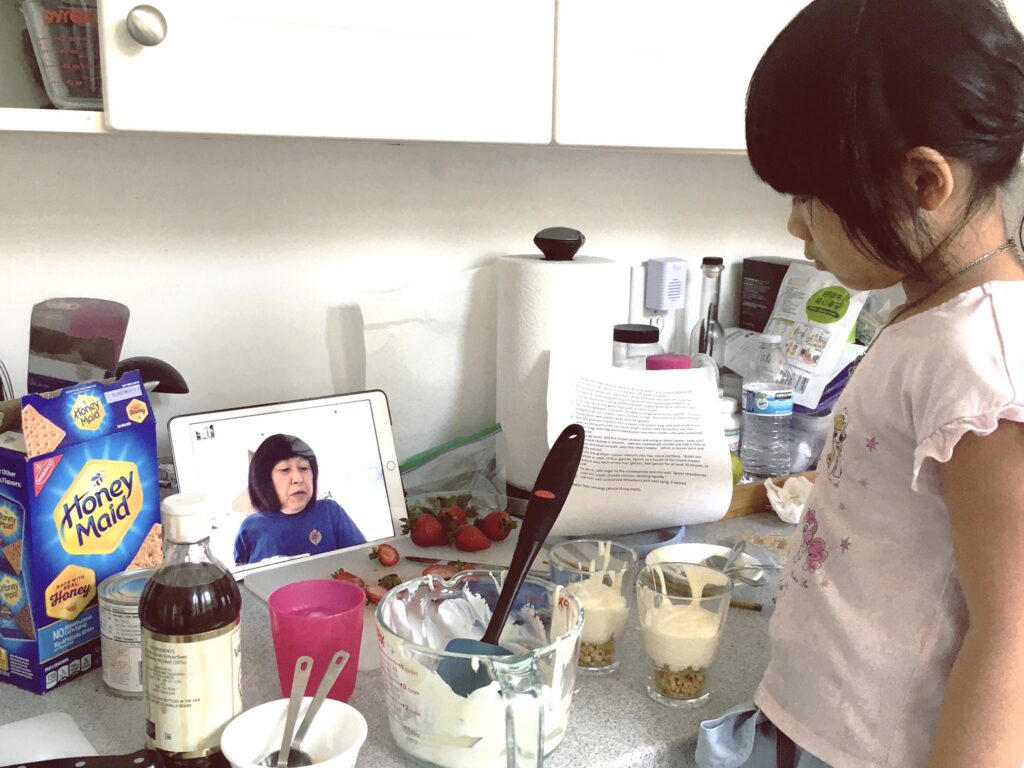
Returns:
<point x="666" y="362"/>
<point x="186" y="518"/>
<point x="771" y="338"/>
<point x="713" y="261"/>
<point x="636" y="333"/>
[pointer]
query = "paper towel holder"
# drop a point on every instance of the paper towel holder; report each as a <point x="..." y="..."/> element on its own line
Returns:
<point x="559" y="243"/>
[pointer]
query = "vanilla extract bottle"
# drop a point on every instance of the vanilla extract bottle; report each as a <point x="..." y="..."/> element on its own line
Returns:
<point x="190" y="612"/>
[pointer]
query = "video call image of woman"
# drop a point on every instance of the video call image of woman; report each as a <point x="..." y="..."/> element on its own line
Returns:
<point x="289" y="519"/>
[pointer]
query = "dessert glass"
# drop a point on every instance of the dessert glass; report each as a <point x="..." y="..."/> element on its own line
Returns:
<point x="600" y="574"/>
<point x="682" y="609"/>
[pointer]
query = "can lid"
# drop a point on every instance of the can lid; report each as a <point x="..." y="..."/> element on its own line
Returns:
<point x="636" y="333"/>
<point x="666" y="362"/>
<point x="771" y="338"/>
<point x="186" y="517"/>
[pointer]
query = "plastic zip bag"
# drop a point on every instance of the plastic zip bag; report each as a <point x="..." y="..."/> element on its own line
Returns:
<point x="465" y="471"/>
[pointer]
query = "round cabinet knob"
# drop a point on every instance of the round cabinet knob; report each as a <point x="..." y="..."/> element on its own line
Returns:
<point x="147" y="25"/>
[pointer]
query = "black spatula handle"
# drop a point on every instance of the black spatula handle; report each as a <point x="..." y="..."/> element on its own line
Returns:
<point x="549" y="492"/>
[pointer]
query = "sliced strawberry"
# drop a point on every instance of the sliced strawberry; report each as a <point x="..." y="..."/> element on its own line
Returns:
<point x="469" y="538"/>
<point x="441" y="570"/>
<point x="374" y="593"/>
<point x="342" y="575"/>
<point x="386" y="555"/>
<point x="497" y="525"/>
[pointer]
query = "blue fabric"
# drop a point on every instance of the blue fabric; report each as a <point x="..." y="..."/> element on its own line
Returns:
<point x="744" y="738"/>
<point x="322" y="527"/>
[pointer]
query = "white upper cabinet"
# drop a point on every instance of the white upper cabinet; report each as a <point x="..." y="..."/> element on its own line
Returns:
<point x="660" y="73"/>
<point x="445" y="70"/>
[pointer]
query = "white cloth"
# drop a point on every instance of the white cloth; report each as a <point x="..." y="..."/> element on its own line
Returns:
<point x="871" y="617"/>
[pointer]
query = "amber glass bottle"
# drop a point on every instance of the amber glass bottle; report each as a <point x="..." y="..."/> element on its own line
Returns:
<point x="190" y="614"/>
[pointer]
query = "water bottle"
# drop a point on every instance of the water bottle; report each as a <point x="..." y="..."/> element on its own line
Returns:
<point x="767" y="411"/>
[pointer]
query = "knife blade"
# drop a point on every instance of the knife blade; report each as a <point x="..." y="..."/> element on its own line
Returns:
<point x="144" y="758"/>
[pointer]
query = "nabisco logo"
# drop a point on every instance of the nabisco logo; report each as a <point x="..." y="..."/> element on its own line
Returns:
<point x="99" y="508"/>
<point x="69" y="17"/>
<point x="42" y="470"/>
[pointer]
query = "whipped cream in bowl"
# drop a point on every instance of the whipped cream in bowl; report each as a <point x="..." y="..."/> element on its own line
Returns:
<point x="600" y="574"/>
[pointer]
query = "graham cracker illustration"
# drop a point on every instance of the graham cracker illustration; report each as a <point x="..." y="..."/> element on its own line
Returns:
<point x="151" y="552"/>
<point x="42" y="436"/>
<point x="23" y="619"/>
<point x="12" y="552"/>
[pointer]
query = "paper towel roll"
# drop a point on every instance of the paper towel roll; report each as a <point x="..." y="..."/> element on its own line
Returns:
<point x="569" y="307"/>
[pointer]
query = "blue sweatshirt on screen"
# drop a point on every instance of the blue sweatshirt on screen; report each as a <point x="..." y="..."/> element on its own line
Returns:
<point x="322" y="527"/>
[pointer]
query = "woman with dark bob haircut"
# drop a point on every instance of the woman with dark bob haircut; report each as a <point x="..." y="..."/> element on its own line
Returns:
<point x="897" y="639"/>
<point x="289" y="518"/>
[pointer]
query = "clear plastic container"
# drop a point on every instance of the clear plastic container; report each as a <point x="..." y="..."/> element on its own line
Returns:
<point x="633" y="343"/>
<point x="65" y="38"/>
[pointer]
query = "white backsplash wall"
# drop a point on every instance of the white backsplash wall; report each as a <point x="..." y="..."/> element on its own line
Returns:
<point x="241" y="258"/>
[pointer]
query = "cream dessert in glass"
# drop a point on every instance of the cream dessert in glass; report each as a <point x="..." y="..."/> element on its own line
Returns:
<point x="600" y="574"/>
<point x="682" y="609"/>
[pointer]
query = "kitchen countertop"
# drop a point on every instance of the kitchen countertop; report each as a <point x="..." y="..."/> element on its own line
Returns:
<point x="613" y="722"/>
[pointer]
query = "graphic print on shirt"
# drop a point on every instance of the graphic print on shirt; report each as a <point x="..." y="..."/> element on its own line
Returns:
<point x="315" y="537"/>
<point x="835" y="455"/>
<point x="813" y="551"/>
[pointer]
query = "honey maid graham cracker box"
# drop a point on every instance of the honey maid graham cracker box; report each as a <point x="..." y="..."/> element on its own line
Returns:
<point x="78" y="496"/>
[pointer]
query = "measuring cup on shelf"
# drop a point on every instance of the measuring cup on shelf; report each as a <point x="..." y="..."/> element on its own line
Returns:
<point x="526" y="703"/>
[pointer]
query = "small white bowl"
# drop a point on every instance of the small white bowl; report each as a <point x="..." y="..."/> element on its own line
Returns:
<point x="693" y="552"/>
<point x="333" y="741"/>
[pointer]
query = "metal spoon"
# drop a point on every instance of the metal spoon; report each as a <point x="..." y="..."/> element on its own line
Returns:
<point x="303" y="666"/>
<point x="724" y="563"/>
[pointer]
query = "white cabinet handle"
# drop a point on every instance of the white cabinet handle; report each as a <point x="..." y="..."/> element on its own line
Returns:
<point x="147" y="25"/>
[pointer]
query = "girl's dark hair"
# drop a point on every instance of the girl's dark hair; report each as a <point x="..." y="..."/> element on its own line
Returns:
<point x="272" y="450"/>
<point x="850" y="86"/>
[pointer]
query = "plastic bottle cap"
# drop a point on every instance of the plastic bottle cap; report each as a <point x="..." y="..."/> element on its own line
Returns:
<point x="636" y="333"/>
<point x="713" y="261"/>
<point x="771" y="338"/>
<point x="666" y="362"/>
<point x="186" y="517"/>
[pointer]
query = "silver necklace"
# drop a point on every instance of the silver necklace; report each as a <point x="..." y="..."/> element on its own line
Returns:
<point x="955" y="276"/>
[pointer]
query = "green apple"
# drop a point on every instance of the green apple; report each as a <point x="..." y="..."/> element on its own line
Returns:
<point x="737" y="467"/>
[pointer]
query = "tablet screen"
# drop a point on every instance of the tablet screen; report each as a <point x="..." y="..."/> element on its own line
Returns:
<point x="323" y="473"/>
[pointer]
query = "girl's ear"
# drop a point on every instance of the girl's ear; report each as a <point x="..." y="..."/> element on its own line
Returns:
<point x="927" y="178"/>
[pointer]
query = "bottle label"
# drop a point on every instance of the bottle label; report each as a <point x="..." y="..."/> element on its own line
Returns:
<point x="778" y="403"/>
<point x="193" y="688"/>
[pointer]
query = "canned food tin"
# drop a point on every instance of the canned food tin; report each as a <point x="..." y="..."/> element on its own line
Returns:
<point x="120" y="631"/>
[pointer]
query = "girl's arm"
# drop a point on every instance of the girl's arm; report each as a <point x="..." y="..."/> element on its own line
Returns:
<point x="980" y="720"/>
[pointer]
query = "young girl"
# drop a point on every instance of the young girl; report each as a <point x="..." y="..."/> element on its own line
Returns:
<point x="898" y="638"/>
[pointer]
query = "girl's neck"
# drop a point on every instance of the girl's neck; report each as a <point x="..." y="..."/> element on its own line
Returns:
<point x="984" y="233"/>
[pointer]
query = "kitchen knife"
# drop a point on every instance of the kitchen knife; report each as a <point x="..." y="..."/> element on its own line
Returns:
<point x="144" y="758"/>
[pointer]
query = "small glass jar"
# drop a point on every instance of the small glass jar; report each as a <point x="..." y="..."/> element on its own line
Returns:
<point x="632" y="343"/>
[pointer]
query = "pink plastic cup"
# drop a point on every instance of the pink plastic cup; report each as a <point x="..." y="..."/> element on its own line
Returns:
<point x="317" y="618"/>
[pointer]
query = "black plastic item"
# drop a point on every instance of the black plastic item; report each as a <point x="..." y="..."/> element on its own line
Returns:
<point x="559" y="243"/>
<point x="636" y="333"/>
<point x="166" y="376"/>
<point x="714" y="261"/>
<point x="554" y="481"/>
<point x="144" y="758"/>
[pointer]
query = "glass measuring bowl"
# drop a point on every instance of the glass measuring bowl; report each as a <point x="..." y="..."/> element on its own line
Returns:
<point x="525" y="707"/>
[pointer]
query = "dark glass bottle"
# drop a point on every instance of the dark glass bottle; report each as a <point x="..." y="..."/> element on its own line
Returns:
<point x="190" y="614"/>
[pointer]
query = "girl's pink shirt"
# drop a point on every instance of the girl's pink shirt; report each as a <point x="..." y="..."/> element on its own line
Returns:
<point x="870" y="616"/>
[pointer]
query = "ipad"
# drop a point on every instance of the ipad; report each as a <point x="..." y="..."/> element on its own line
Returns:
<point x="338" y="450"/>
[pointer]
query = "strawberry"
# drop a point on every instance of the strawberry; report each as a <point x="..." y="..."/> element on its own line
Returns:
<point x="386" y="555"/>
<point x="374" y="593"/>
<point x="469" y="538"/>
<point x="342" y="575"/>
<point x="441" y="570"/>
<point x="453" y="517"/>
<point x="425" y="530"/>
<point x="389" y="581"/>
<point x="497" y="525"/>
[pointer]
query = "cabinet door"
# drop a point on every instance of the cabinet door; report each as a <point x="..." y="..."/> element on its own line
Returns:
<point x="660" y="73"/>
<point x="461" y="70"/>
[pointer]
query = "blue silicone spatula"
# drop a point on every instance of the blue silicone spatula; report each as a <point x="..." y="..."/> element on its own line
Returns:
<point x="549" y="492"/>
